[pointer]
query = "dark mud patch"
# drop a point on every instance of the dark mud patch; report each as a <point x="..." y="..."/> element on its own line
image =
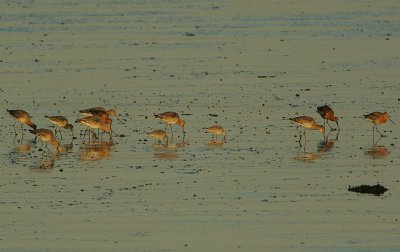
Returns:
<point x="375" y="189"/>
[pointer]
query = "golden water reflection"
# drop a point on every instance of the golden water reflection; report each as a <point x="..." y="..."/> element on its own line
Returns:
<point x="95" y="151"/>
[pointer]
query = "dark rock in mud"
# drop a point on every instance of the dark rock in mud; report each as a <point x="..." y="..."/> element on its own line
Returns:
<point x="375" y="189"/>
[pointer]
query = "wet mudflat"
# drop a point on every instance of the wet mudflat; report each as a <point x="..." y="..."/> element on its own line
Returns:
<point x="248" y="66"/>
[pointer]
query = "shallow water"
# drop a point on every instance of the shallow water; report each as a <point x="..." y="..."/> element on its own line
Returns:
<point x="248" y="66"/>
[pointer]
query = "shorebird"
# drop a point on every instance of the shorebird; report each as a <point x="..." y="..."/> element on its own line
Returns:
<point x="328" y="114"/>
<point x="216" y="130"/>
<point x="93" y="122"/>
<point x="22" y="117"/>
<point x="46" y="135"/>
<point x="308" y="123"/>
<point x="100" y="112"/>
<point x="91" y="111"/>
<point x="171" y="118"/>
<point x="377" y="118"/>
<point x="159" y="135"/>
<point x="60" y="122"/>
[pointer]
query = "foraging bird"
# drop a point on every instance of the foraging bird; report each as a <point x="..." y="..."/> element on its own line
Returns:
<point x="159" y="135"/>
<point x="60" y="122"/>
<point x="216" y="130"/>
<point x="46" y="135"/>
<point x="93" y="122"/>
<point x="94" y="110"/>
<point x="308" y="123"/>
<point x="328" y="114"/>
<point x="100" y="112"/>
<point x="22" y="117"/>
<point x="377" y="118"/>
<point x="171" y="118"/>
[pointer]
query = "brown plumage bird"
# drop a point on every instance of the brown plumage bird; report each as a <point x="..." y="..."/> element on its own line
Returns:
<point x="47" y="136"/>
<point x="171" y="118"/>
<point x="61" y="122"/>
<point x="100" y="112"/>
<point x="377" y="118"/>
<point x="216" y="130"/>
<point x="328" y="114"/>
<point x="159" y="135"/>
<point x="308" y="123"/>
<point x="93" y="122"/>
<point x="93" y="111"/>
<point x="22" y="117"/>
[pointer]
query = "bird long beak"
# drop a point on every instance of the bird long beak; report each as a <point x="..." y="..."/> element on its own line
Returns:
<point x="392" y="121"/>
<point x="119" y="120"/>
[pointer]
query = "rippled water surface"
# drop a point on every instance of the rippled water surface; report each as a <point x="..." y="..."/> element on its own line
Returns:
<point x="246" y="65"/>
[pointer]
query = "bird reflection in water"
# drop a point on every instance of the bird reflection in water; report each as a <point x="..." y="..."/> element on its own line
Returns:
<point x="20" y="146"/>
<point x="44" y="163"/>
<point x="164" y="151"/>
<point x="215" y="144"/>
<point x="323" y="147"/>
<point x="307" y="156"/>
<point x="327" y="144"/>
<point x="63" y="148"/>
<point x="95" y="151"/>
<point x="377" y="150"/>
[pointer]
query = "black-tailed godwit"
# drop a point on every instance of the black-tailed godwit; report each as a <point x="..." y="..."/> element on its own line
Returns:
<point x="159" y="135"/>
<point x="216" y="130"/>
<point x="171" y="118"/>
<point x="61" y="122"/>
<point x="93" y="122"/>
<point x="308" y="123"/>
<point x="22" y="117"/>
<point x="100" y="112"/>
<point x="47" y="136"/>
<point x="377" y="118"/>
<point x="328" y="114"/>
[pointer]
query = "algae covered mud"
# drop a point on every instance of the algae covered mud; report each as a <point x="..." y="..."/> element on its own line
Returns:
<point x="246" y="65"/>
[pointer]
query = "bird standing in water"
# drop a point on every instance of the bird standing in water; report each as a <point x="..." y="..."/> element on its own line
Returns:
<point x="308" y="123"/>
<point x="216" y="130"/>
<point x="22" y="117"/>
<point x="93" y="122"/>
<point x="47" y="135"/>
<point x="377" y="118"/>
<point x="171" y="118"/>
<point x="159" y="135"/>
<point x="60" y="122"/>
<point x="328" y="114"/>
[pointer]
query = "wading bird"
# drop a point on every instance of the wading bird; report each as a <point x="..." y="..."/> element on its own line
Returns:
<point x="308" y="123"/>
<point x="328" y="114"/>
<point x="61" y="122"/>
<point x="47" y="136"/>
<point x="216" y="130"/>
<point x="377" y="118"/>
<point x="93" y="122"/>
<point x="22" y="117"/>
<point x="171" y="118"/>
<point x="159" y="135"/>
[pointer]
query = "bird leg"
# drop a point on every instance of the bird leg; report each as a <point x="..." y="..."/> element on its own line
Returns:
<point x="22" y="131"/>
<point x="15" y="130"/>
<point x="59" y="131"/>
<point x="329" y="125"/>
<point x="376" y="127"/>
<point x="47" y="147"/>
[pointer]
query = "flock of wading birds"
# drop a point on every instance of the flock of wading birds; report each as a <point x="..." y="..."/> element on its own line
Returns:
<point x="99" y="118"/>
